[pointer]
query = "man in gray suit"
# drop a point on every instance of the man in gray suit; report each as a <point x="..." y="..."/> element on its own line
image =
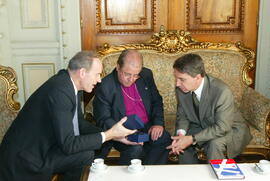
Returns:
<point x="207" y="117"/>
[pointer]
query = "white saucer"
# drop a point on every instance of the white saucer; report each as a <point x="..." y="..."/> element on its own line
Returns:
<point x="132" y="170"/>
<point x="93" y="169"/>
<point x="257" y="170"/>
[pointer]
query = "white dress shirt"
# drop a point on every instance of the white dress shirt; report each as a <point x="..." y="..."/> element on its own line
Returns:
<point x="198" y="93"/>
<point x="76" y="133"/>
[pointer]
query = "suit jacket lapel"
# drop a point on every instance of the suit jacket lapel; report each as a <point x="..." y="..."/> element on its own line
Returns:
<point x="119" y="96"/>
<point x="143" y="91"/>
<point x="68" y="88"/>
<point x="204" y="101"/>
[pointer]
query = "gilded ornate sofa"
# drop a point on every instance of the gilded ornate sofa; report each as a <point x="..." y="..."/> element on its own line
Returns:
<point x="8" y="106"/>
<point x="227" y="61"/>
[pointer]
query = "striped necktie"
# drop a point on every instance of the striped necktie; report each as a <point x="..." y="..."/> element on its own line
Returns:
<point x="196" y="104"/>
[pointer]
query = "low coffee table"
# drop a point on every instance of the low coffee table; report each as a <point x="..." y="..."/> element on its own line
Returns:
<point x="202" y="172"/>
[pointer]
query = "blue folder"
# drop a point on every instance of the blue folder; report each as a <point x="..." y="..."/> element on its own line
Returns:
<point x="133" y="122"/>
<point x="139" y="137"/>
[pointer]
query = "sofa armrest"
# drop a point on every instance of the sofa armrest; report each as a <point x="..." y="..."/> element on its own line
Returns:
<point x="256" y="110"/>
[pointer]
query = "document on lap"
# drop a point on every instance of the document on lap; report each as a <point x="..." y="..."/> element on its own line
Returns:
<point x="134" y="122"/>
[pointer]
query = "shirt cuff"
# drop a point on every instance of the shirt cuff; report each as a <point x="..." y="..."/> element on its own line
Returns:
<point x="181" y="131"/>
<point x="194" y="140"/>
<point x="103" y="136"/>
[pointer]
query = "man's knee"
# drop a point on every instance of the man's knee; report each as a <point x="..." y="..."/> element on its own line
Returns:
<point x="189" y="156"/>
<point x="164" y="139"/>
<point x="216" y="149"/>
<point x="217" y="144"/>
<point x="87" y="157"/>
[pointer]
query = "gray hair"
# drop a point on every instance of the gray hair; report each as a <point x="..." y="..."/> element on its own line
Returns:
<point x="83" y="59"/>
<point x="191" y="64"/>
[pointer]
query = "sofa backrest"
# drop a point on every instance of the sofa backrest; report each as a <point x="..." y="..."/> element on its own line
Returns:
<point x="229" y="62"/>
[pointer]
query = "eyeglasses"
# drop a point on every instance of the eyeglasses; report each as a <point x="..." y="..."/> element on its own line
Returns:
<point x="128" y="75"/>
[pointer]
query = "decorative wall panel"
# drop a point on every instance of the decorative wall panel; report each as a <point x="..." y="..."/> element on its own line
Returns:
<point x="215" y="15"/>
<point x="30" y="73"/>
<point x="34" y="13"/>
<point x="125" y="16"/>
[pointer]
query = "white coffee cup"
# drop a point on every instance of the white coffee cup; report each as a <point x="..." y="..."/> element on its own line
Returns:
<point x="98" y="164"/>
<point x="265" y="165"/>
<point x="136" y="164"/>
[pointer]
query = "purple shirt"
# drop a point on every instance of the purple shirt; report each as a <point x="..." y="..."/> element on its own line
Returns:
<point x="133" y="102"/>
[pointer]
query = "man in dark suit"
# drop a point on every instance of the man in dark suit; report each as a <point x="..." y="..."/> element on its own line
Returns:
<point x="207" y="117"/>
<point x="130" y="89"/>
<point x="49" y="135"/>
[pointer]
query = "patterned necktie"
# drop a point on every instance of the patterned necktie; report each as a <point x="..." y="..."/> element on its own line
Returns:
<point x="75" y="120"/>
<point x="195" y="104"/>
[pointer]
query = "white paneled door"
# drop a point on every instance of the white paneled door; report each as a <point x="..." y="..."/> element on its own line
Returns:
<point x="37" y="38"/>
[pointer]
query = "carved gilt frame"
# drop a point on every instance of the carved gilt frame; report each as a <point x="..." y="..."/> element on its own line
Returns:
<point x="175" y="41"/>
<point x="8" y="75"/>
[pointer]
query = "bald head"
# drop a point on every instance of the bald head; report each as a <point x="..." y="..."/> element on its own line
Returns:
<point x="130" y="58"/>
<point x="129" y="66"/>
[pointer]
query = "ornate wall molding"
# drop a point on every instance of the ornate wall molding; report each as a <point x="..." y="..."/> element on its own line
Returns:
<point x="200" y="19"/>
<point x="69" y="29"/>
<point x="34" y="13"/>
<point x="30" y="71"/>
<point x="123" y="21"/>
<point x="2" y="3"/>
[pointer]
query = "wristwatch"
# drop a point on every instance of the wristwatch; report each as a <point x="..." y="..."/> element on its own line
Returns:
<point x="193" y="139"/>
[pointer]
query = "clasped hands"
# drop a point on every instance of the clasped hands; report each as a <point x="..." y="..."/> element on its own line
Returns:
<point x="180" y="143"/>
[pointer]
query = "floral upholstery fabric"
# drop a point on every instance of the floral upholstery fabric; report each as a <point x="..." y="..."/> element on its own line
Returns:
<point x="6" y="115"/>
<point x="226" y="65"/>
<point x="256" y="108"/>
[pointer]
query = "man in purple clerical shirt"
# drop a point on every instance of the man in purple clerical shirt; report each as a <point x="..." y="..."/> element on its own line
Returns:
<point x="130" y="89"/>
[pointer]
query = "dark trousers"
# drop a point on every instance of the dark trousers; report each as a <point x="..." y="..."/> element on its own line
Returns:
<point x="68" y="167"/>
<point x="152" y="152"/>
<point x="16" y="166"/>
<point x="214" y="149"/>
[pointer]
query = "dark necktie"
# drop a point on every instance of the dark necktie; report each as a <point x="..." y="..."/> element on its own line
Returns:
<point x="196" y="104"/>
<point x="75" y="120"/>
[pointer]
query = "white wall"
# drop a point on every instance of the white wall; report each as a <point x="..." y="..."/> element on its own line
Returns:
<point x="262" y="83"/>
<point x="37" y="38"/>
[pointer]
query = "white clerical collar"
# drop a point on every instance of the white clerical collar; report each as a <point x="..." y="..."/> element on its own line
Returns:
<point x="198" y="91"/>
<point x="74" y="86"/>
